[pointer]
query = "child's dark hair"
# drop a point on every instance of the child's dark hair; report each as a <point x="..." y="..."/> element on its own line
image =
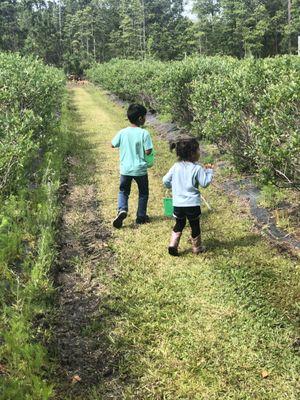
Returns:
<point x="185" y="148"/>
<point x="135" y="112"/>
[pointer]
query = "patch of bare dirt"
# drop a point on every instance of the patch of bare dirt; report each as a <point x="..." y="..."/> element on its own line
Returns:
<point x="79" y="342"/>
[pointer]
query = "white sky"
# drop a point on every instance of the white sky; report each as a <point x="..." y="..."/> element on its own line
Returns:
<point x="188" y="10"/>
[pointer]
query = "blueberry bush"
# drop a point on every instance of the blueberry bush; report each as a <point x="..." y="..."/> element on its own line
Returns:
<point x="250" y="108"/>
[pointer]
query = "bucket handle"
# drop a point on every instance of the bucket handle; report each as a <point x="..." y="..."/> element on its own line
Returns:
<point x="206" y="203"/>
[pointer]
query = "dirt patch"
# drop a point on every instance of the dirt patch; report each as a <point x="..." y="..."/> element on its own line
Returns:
<point x="80" y="348"/>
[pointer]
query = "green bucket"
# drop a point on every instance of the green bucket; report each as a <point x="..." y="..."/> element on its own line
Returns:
<point x="150" y="158"/>
<point x="168" y="206"/>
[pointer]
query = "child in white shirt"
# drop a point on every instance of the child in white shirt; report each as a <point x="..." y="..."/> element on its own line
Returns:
<point x="184" y="179"/>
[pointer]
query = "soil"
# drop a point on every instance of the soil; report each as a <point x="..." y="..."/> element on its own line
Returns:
<point x="80" y="350"/>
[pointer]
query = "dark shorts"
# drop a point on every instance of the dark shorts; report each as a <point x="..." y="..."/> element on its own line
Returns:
<point x="191" y="213"/>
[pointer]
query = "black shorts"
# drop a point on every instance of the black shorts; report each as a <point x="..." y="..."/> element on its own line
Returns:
<point x="191" y="213"/>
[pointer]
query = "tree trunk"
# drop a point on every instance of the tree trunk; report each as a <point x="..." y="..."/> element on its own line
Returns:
<point x="59" y="19"/>
<point x="289" y="24"/>
<point x="144" y="29"/>
<point x="94" y="42"/>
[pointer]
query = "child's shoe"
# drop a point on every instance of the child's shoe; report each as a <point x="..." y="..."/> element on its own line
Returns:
<point x="174" y="243"/>
<point x="118" y="221"/>
<point x="196" y="245"/>
<point x="142" y="220"/>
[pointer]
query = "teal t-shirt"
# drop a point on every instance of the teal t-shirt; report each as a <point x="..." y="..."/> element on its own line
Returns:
<point x="133" y="142"/>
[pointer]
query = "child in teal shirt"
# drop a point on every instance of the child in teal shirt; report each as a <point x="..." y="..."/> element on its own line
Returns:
<point x="134" y="143"/>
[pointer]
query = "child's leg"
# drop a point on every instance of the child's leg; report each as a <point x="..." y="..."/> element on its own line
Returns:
<point x="193" y="215"/>
<point x="196" y="236"/>
<point x="125" y="186"/>
<point x="176" y="235"/>
<point x="143" y="186"/>
<point x="195" y="227"/>
<point x="179" y="225"/>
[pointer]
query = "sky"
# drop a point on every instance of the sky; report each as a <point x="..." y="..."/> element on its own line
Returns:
<point x="188" y="10"/>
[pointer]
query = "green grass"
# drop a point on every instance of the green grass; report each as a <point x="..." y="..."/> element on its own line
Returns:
<point x="194" y="327"/>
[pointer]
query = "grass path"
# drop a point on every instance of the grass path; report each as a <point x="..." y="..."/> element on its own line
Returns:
<point x="201" y="328"/>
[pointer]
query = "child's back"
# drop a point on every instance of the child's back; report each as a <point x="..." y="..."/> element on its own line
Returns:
<point x="186" y="176"/>
<point x="132" y="142"/>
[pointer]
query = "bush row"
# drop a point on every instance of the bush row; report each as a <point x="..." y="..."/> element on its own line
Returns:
<point x="32" y="148"/>
<point x="249" y="108"/>
<point x="30" y="102"/>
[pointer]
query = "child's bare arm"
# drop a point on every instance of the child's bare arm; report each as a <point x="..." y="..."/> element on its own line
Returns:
<point x="147" y="142"/>
<point x="116" y="140"/>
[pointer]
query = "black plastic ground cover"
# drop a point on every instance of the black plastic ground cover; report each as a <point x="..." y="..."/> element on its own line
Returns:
<point x="246" y="190"/>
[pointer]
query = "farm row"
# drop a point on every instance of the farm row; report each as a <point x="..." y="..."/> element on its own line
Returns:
<point x="33" y="146"/>
<point x="249" y="108"/>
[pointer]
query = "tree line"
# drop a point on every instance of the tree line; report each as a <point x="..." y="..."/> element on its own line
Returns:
<point x="74" y="33"/>
<point x="240" y="28"/>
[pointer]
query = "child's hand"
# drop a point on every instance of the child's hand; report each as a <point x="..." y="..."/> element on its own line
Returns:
<point x="209" y="166"/>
